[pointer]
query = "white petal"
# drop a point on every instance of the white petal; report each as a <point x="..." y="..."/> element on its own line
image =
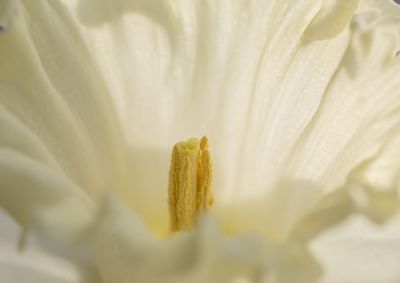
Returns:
<point x="192" y="72"/>
<point x="239" y="72"/>
<point x="32" y="264"/>
<point x="266" y="96"/>
<point x="126" y="252"/>
<point x="42" y="199"/>
<point x="358" y="251"/>
<point x="359" y="114"/>
<point x="60" y="141"/>
<point x="50" y="85"/>
<point x="333" y="18"/>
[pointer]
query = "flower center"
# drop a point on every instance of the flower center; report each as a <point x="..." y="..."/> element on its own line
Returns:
<point x="190" y="179"/>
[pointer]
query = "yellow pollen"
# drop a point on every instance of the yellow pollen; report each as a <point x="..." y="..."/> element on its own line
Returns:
<point x="190" y="180"/>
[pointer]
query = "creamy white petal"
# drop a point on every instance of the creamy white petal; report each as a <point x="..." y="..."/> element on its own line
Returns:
<point x="359" y="251"/>
<point x="359" y="114"/>
<point x="50" y="85"/>
<point x="169" y="55"/>
<point x="60" y="145"/>
<point x="275" y="99"/>
<point x="275" y="102"/>
<point x="32" y="264"/>
<point x="15" y="269"/>
<point x="126" y="252"/>
<point x="333" y="18"/>
<point x="193" y="66"/>
<point x="41" y="199"/>
<point x="225" y="69"/>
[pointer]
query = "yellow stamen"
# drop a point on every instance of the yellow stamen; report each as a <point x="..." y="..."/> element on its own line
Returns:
<point x="190" y="180"/>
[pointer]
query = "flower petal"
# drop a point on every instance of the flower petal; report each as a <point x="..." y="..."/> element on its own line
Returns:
<point x="48" y="99"/>
<point x="241" y="72"/>
<point x="41" y="199"/>
<point x="275" y="102"/>
<point x="60" y="142"/>
<point x="126" y="252"/>
<point x="32" y="264"/>
<point x="359" y="114"/>
<point x="184" y="60"/>
<point x="358" y="251"/>
<point x="333" y="17"/>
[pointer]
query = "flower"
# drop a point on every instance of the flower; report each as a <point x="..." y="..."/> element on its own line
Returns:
<point x="298" y="98"/>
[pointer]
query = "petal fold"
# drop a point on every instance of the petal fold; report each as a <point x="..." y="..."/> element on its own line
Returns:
<point x="333" y="17"/>
<point x="48" y="99"/>
<point x="41" y="199"/>
<point x="33" y="264"/>
<point x="126" y="252"/>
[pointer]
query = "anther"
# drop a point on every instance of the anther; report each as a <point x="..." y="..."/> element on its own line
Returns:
<point x="190" y="181"/>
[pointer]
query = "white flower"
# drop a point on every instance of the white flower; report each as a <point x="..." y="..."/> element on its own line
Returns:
<point x="300" y="101"/>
